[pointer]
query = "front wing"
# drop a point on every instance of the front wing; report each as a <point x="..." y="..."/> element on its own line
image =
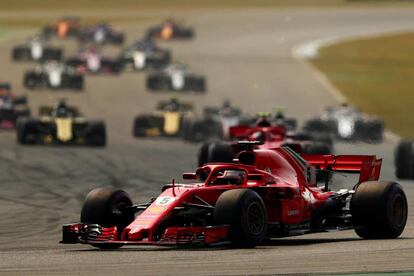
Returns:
<point x="96" y="235"/>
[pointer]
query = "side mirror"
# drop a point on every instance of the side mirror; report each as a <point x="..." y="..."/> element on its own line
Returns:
<point x="189" y="176"/>
<point x="256" y="177"/>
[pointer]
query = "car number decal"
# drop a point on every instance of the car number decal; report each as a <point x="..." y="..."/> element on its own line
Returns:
<point x="164" y="200"/>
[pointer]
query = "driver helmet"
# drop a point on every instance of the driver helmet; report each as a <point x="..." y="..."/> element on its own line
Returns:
<point x="61" y="109"/>
<point x="279" y="115"/>
<point x="263" y="120"/>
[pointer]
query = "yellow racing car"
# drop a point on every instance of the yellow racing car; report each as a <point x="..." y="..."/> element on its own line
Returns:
<point x="62" y="125"/>
<point x="168" y="120"/>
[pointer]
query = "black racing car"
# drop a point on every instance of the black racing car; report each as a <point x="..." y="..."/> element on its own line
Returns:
<point x="11" y="107"/>
<point x="53" y="75"/>
<point x="61" y="125"/>
<point x="101" y="34"/>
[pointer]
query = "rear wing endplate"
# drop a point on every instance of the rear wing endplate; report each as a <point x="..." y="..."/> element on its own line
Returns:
<point x="368" y="166"/>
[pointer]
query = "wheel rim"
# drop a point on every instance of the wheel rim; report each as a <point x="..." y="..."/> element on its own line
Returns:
<point x="255" y="218"/>
<point x="399" y="211"/>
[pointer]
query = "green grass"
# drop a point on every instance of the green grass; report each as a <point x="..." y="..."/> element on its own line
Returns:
<point x="377" y="75"/>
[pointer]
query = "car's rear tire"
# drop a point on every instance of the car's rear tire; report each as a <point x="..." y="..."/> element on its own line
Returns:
<point x="144" y="123"/>
<point x="107" y="207"/>
<point x="27" y="131"/>
<point x="20" y="54"/>
<point x="404" y="158"/>
<point x="196" y="84"/>
<point x="245" y="213"/>
<point x="211" y="152"/>
<point x="97" y="134"/>
<point x="30" y="80"/>
<point x="158" y="82"/>
<point x="203" y="154"/>
<point x="318" y="148"/>
<point x="52" y="54"/>
<point x="379" y="210"/>
<point x="320" y="127"/>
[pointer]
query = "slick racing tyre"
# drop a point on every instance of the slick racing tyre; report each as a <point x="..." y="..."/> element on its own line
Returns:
<point x="31" y="81"/>
<point x="158" y="82"/>
<point x="245" y="213"/>
<point x="96" y="135"/>
<point x="215" y="152"/>
<point x="75" y="82"/>
<point x="196" y="84"/>
<point x="379" y="210"/>
<point x="404" y="160"/>
<point x="147" y="125"/>
<point x="108" y="208"/>
<point x="20" y="54"/>
<point x="27" y="131"/>
<point x="320" y="127"/>
<point x="374" y="132"/>
<point x="318" y="148"/>
<point x="52" y="54"/>
<point x="198" y="131"/>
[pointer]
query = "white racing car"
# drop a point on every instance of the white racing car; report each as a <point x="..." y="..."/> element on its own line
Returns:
<point x="145" y="54"/>
<point x="346" y="123"/>
<point x="215" y="123"/>
<point x="36" y="49"/>
<point x="175" y="77"/>
<point x="54" y="75"/>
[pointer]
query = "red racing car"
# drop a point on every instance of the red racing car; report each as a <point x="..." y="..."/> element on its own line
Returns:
<point x="266" y="193"/>
<point x="271" y="136"/>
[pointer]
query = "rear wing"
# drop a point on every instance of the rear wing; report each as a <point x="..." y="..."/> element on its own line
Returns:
<point x="182" y="106"/>
<point x="47" y="110"/>
<point x="368" y="166"/>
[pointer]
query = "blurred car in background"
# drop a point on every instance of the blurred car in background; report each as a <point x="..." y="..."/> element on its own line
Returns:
<point x="175" y="77"/>
<point x="67" y="26"/>
<point x="36" y="49"/>
<point x="91" y="60"/>
<point x="346" y="123"/>
<point x="269" y="135"/>
<point x="53" y="75"/>
<point x="143" y="54"/>
<point x="168" y="119"/>
<point x="170" y="29"/>
<point x="404" y="159"/>
<point x="101" y="34"/>
<point x="11" y="107"/>
<point x="61" y="125"/>
<point x="214" y="124"/>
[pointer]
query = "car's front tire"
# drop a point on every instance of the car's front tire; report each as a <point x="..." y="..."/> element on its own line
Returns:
<point x="107" y="207"/>
<point x="245" y="213"/>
